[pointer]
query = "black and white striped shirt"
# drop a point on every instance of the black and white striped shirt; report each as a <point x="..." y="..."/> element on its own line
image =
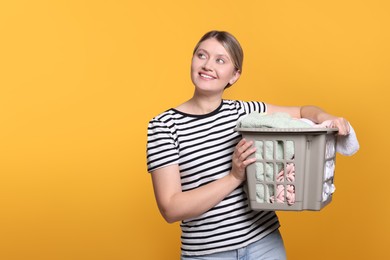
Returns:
<point x="202" y="146"/>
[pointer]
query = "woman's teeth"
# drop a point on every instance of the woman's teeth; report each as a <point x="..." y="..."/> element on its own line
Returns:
<point x="206" y="76"/>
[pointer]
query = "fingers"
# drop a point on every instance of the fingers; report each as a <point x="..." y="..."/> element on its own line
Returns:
<point x="241" y="158"/>
<point x="342" y="124"/>
<point x="244" y="149"/>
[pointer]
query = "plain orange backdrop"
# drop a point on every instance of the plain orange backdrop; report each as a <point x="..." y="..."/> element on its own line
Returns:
<point x="79" y="81"/>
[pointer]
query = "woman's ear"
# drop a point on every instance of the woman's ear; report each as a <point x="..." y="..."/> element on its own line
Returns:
<point x="235" y="77"/>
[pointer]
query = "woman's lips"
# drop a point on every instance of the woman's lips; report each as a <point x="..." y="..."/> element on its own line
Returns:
<point x="206" y="76"/>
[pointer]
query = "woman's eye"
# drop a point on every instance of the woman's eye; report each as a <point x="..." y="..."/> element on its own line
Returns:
<point x="201" y="56"/>
<point x="220" y="61"/>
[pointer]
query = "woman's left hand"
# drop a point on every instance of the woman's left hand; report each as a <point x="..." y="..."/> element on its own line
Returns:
<point x="342" y="124"/>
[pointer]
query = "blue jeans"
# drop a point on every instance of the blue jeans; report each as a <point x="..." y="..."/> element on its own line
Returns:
<point x="269" y="247"/>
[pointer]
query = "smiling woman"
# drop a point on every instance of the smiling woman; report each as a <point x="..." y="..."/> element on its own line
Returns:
<point x="227" y="52"/>
<point x="197" y="160"/>
<point x="212" y="69"/>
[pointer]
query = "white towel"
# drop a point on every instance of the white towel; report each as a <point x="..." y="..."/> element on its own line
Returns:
<point x="346" y="144"/>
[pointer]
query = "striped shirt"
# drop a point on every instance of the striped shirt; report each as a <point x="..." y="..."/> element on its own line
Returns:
<point x="202" y="146"/>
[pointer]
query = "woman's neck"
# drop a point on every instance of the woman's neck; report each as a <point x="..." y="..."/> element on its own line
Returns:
<point x="200" y="105"/>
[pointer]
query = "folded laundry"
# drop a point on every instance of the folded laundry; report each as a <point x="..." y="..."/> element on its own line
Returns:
<point x="269" y="194"/>
<point x="275" y="120"/>
<point x="327" y="190"/>
<point x="281" y="150"/>
<point x="290" y="190"/>
<point x="290" y="173"/>
<point x="279" y="197"/>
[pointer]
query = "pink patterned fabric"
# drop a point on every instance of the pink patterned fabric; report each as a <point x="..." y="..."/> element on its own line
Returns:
<point x="290" y="189"/>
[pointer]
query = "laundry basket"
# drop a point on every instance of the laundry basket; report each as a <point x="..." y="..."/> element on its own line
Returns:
<point x="294" y="168"/>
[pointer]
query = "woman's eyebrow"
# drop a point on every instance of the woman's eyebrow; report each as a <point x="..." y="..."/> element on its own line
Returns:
<point x="203" y="50"/>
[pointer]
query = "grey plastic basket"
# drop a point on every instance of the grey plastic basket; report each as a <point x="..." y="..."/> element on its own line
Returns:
<point x="310" y="151"/>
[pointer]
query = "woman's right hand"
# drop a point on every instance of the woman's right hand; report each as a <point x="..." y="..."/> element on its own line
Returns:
<point x="240" y="159"/>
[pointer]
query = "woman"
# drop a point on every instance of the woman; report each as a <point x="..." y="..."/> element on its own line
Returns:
<point x="197" y="161"/>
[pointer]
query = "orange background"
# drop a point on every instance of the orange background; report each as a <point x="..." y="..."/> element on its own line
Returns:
<point x="79" y="81"/>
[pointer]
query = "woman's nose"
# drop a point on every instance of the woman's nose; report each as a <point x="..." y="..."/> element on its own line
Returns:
<point x="207" y="65"/>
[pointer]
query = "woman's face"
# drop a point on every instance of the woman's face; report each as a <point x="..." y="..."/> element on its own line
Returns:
<point x="212" y="68"/>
